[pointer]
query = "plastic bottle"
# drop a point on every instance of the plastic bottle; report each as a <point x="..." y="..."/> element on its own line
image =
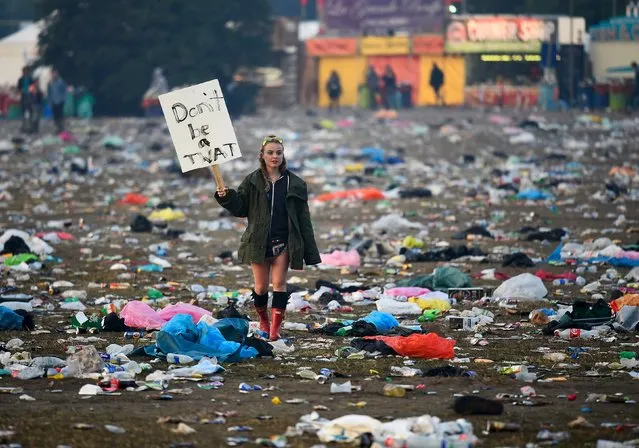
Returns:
<point x="307" y="374"/>
<point x="575" y="333"/>
<point x="391" y="390"/>
<point x="580" y="281"/>
<point x="560" y="281"/>
<point x="132" y="367"/>
<point x="116" y="359"/>
<point x="174" y="358"/>
<point x="295" y="326"/>
<point x="48" y="361"/>
<point x="526" y="376"/>
<point x="429" y="441"/>
<point x="30" y="373"/>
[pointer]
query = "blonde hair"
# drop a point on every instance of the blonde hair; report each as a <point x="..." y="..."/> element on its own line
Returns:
<point x="282" y="167"/>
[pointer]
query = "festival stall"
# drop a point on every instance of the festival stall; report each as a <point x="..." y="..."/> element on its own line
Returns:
<point x="506" y="56"/>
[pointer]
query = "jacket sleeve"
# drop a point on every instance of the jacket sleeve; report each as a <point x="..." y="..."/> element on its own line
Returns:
<point x="236" y="202"/>
<point x="311" y="253"/>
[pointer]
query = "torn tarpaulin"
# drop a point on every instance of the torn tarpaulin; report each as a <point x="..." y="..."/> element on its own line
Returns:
<point x="182" y="336"/>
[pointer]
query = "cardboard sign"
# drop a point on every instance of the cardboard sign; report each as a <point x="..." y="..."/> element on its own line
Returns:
<point x="200" y="126"/>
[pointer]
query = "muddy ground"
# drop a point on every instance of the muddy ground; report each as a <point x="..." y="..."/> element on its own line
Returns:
<point x="49" y="420"/>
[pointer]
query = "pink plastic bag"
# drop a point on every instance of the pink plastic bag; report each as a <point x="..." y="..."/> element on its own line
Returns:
<point x="66" y="136"/>
<point x="183" y="308"/>
<point x="339" y="258"/>
<point x="138" y="314"/>
<point x="407" y="291"/>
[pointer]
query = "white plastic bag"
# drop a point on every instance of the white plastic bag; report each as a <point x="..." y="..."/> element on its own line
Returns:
<point x="524" y="286"/>
<point x="396" y="308"/>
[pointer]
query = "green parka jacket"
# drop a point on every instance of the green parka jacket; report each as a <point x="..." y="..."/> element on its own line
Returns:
<point x="249" y="201"/>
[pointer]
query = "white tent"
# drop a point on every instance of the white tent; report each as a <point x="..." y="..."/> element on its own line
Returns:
<point x="18" y="50"/>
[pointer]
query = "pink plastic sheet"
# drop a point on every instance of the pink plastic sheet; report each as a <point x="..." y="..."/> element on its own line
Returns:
<point x="339" y="258"/>
<point x="407" y="291"/>
<point x="138" y="314"/>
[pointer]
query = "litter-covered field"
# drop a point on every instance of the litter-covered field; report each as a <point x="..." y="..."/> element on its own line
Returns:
<point x="479" y="286"/>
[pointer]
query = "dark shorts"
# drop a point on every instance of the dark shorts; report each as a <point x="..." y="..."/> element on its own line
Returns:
<point x="275" y="247"/>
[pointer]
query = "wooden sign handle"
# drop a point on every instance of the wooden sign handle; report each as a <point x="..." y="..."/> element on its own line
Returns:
<point x="217" y="174"/>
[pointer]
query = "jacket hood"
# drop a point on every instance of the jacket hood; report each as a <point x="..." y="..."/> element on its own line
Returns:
<point x="297" y="186"/>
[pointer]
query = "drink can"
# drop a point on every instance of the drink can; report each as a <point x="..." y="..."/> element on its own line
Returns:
<point x="133" y="334"/>
<point x="110" y="368"/>
<point x="110" y="308"/>
<point x="494" y="426"/>
<point x="328" y="373"/>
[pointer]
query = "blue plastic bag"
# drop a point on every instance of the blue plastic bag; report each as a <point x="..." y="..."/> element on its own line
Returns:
<point x="9" y="320"/>
<point x="533" y="195"/>
<point x="374" y="154"/>
<point x="384" y="322"/>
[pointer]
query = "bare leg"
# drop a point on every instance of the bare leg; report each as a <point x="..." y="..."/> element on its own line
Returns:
<point x="260" y="294"/>
<point x="279" y="271"/>
<point x="280" y="296"/>
<point x="261" y="273"/>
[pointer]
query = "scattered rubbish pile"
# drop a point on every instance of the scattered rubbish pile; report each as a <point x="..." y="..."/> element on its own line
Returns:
<point x="478" y="268"/>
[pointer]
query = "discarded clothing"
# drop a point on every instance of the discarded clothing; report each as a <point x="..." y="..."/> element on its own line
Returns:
<point x="530" y="234"/>
<point x="449" y="371"/>
<point x="346" y="289"/>
<point x="474" y="230"/>
<point x="518" y="260"/>
<point x="415" y="193"/>
<point x="372" y="346"/>
<point x="141" y="224"/>
<point x="445" y="254"/>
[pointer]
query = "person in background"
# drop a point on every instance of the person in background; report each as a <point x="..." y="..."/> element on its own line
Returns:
<point x="279" y="231"/>
<point x="57" y="95"/>
<point x="334" y="91"/>
<point x="390" y="87"/>
<point x="36" y="101"/>
<point x="372" y="81"/>
<point x="635" y="96"/>
<point x="436" y="82"/>
<point x="23" y="86"/>
<point x="159" y="84"/>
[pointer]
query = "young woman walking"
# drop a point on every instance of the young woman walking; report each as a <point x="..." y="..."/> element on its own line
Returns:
<point x="279" y="233"/>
